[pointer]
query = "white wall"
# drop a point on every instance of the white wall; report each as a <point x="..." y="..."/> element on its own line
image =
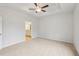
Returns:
<point x="0" y="32"/>
<point x="56" y="27"/>
<point x="76" y="27"/>
<point x="14" y="26"/>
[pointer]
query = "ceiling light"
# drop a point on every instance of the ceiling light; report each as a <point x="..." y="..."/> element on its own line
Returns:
<point x="38" y="9"/>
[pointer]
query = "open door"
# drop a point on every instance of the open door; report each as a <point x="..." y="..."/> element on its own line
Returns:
<point x="0" y="32"/>
<point x="28" y="29"/>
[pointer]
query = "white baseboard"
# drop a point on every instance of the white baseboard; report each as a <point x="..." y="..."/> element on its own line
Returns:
<point x="56" y="39"/>
<point x="13" y="43"/>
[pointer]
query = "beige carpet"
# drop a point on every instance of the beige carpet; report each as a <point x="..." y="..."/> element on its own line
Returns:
<point x="39" y="47"/>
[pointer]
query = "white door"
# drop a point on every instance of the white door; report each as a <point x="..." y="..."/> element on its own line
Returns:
<point x="0" y="32"/>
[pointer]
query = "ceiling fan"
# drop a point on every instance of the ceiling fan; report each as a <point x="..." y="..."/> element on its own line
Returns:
<point x="39" y="8"/>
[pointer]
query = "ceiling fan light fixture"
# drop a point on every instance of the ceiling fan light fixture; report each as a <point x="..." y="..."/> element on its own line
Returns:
<point x="38" y="9"/>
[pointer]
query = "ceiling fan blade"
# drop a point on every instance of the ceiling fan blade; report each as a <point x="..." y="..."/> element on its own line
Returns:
<point x="35" y="4"/>
<point x="43" y="10"/>
<point x="44" y="6"/>
<point x="31" y="9"/>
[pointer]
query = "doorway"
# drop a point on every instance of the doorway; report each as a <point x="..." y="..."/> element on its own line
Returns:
<point x="28" y="31"/>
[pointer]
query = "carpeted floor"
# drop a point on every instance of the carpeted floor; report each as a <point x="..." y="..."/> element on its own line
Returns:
<point x="39" y="47"/>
